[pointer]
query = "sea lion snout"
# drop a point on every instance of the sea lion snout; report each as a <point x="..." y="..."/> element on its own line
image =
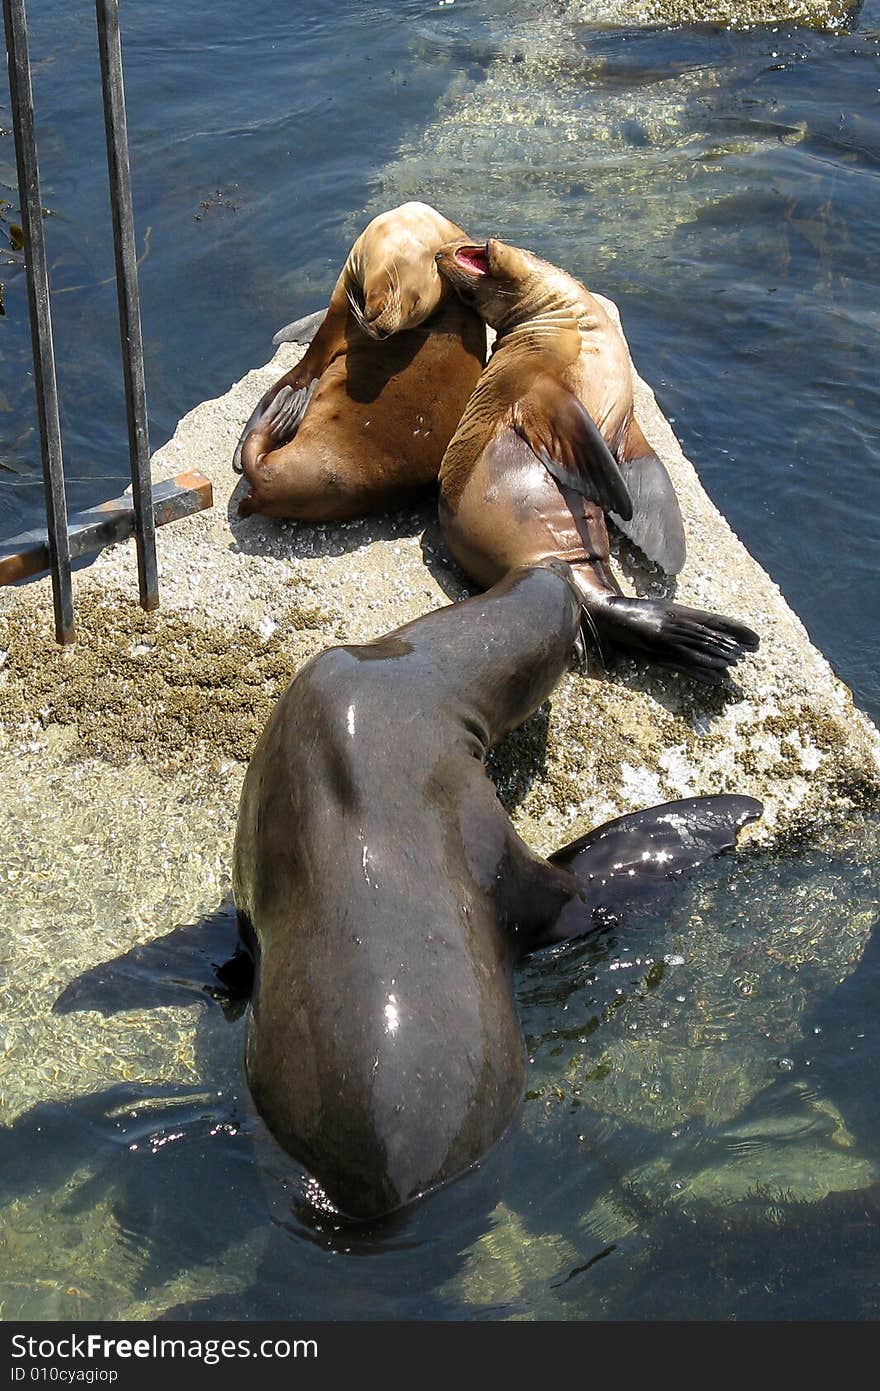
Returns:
<point x="375" y="330"/>
<point x="483" y="274"/>
<point x="378" y="310"/>
<point x="463" y="265"/>
<point x="401" y="298"/>
<point x="474" y="259"/>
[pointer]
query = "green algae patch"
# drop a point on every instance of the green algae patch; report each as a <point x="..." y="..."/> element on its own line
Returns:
<point x="153" y="685"/>
<point x="834" y="15"/>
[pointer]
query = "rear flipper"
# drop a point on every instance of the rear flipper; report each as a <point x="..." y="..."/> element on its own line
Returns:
<point x="275" y="421"/>
<point x="635" y="864"/>
<point x="655" y="526"/>
<point x="702" y="645"/>
<point x="301" y="330"/>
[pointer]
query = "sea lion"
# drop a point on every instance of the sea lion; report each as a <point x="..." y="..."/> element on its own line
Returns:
<point x="362" y="421"/>
<point x="386" y="895"/>
<point x="548" y="444"/>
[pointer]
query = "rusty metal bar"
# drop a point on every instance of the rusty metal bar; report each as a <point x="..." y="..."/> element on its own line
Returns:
<point x="27" y="555"/>
<point x="45" y="383"/>
<point x="115" y="124"/>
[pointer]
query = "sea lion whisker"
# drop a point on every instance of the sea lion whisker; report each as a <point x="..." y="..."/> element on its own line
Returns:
<point x="589" y="623"/>
<point x="395" y="301"/>
<point x="357" y="311"/>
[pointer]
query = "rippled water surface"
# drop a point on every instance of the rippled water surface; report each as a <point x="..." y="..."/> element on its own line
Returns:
<point x="701" y="1136"/>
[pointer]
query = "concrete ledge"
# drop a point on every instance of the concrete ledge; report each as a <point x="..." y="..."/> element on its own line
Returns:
<point x="245" y="601"/>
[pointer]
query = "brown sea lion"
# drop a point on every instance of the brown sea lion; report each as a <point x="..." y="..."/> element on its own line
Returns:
<point x="548" y="445"/>
<point x="362" y="422"/>
<point x="386" y="896"/>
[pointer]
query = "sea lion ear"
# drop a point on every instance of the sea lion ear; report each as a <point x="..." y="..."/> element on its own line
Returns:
<point x="564" y="436"/>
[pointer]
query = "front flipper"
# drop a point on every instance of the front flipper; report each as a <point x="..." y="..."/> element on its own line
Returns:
<point x="301" y="330"/>
<point x="636" y="863"/>
<point x="656" y="526"/>
<point x="210" y="959"/>
<point x="273" y="424"/>
<point x="700" y="644"/>
<point x="328" y="328"/>
<point x="561" y="433"/>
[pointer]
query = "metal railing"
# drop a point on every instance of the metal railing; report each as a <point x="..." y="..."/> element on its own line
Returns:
<point x="27" y="555"/>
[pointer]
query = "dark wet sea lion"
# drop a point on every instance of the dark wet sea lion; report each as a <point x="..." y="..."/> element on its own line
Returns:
<point x="362" y="421"/>
<point x="548" y="445"/>
<point x="387" y="896"/>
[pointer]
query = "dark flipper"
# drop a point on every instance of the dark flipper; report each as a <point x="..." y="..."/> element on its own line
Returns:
<point x="198" y="961"/>
<point x="301" y="377"/>
<point x="563" y="435"/>
<point x="276" y="421"/>
<point x="700" y="644"/>
<point x="636" y="863"/>
<point x="254" y="417"/>
<point x="301" y="330"/>
<point x="656" y="526"/>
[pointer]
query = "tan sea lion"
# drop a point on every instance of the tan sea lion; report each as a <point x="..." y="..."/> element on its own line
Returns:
<point x="363" y="420"/>
<point x="548" y="445"/>
<point x="386" y="896"/>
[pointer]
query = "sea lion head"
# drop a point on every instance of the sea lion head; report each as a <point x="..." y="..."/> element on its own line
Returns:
<point x="394" y="283"/>
<point x="504" y="284"/>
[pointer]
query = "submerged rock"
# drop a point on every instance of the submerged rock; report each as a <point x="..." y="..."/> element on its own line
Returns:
<point x="735" y="14"/>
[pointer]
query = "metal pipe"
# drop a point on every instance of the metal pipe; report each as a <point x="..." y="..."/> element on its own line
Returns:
<point x="102" y="525"/>
<point x="127" y="290"/>
<point x="45" y="383"/>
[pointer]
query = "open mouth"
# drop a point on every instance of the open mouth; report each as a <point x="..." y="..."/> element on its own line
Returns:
<point x="473" y="258"/>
